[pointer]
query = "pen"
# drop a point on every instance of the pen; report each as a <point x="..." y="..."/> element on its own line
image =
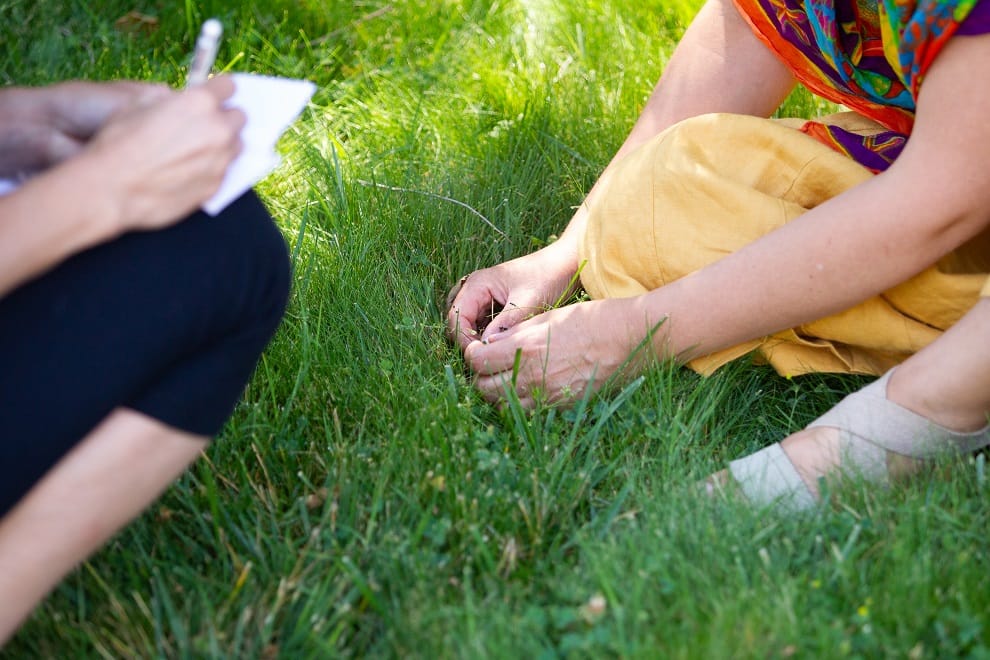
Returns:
<point x="205" y="53"/>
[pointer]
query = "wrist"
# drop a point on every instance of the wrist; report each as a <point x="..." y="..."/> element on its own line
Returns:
<point x="561" y="256"/>
<point x="648" y="320"/>
<point x="101" y="215"/>
<point x="77" y="215"/>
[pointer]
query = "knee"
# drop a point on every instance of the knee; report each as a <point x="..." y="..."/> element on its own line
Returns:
<point x="266" y="246"/>
<point x="254" y="247"/>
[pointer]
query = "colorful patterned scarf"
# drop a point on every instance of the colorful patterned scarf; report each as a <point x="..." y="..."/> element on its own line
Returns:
<point x="869" y="55"/>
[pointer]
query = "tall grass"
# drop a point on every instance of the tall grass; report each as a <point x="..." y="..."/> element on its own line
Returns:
<point x="363" y="500"/>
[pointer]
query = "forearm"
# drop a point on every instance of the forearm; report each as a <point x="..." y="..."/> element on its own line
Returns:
<point x="702" y="77"/>
<point x="718" y="66"/>
<point x="51" y="217"/>
<point x="829" y="259"/>
<point x="106" y="480"/>
<point x="861" y="243"/>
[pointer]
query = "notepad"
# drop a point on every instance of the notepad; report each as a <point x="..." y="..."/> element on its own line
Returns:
<point x="271" y="105"/>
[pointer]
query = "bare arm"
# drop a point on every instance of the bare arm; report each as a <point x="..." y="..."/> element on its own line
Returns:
<point x="701" y="77"/>
<point x="861" y="243"/>
<point x="718" y="66"/>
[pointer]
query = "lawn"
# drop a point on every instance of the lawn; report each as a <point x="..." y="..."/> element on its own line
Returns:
<point x="363" y="500"/>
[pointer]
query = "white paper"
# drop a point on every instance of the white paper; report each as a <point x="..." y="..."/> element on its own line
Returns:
<point x="271" y="105"/>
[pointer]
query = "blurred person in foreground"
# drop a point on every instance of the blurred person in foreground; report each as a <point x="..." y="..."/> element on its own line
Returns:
<point x="130" y="322"/>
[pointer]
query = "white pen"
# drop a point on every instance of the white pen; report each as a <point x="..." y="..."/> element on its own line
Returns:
<point x="205" y="53"/>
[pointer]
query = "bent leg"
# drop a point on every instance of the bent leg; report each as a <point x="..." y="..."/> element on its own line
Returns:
<point x="99" y="486"/>
<point x="168" y="323"/>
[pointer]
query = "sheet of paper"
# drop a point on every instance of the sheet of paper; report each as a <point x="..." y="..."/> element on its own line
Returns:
<point x="271" y="105"/>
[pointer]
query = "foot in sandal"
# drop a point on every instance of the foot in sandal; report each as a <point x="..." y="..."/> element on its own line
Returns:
<point x="866" y="435"/>
<point x="934" y="404"/>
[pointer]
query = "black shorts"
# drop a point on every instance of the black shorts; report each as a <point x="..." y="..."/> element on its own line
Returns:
<point x="168" y="323"/>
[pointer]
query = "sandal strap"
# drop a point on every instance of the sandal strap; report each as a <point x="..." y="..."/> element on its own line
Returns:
<point x="869" y="416"/>
<point x="768" y="477"/>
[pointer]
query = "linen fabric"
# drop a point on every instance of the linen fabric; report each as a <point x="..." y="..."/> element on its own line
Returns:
<point x="710" y="185"/>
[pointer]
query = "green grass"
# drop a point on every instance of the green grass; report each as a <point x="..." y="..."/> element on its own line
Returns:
<point x="363" y="500"/>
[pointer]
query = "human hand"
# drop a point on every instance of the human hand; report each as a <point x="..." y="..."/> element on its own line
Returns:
<point x="495" y="299"/>
<point x="44" y="126"/>
<point x="160" y="161"/>
<point x="561" y="353"/>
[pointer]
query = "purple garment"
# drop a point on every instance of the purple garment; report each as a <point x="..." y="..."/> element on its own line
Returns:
<point x="978" y="21"/>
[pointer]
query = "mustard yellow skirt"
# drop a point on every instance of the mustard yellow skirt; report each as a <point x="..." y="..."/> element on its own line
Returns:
<point x="712" y="184"/>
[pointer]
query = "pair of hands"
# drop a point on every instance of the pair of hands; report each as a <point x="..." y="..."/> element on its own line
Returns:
<point x="552" y="355"/>
<point x="159" y="153"/>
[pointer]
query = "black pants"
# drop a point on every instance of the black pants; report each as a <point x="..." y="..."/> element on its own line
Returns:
<point x="168" y="323"/>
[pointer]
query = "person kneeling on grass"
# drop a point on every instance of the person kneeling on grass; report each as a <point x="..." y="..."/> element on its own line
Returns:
<point x="129" y="322"/>
<point x="851" y="244"/>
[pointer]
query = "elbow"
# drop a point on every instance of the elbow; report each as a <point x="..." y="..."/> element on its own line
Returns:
<point x="939" y="212"/>
<point x="955" y="226"/>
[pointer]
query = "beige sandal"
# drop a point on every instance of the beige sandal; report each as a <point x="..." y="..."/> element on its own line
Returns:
<point x="871" y="428"/>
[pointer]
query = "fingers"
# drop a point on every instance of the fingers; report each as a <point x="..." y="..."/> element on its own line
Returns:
<point x="220" y="87"/>
<point x="234" y="120"/>
<point x="36" y="147"/>
<point x="461" y="329"/>
<point x="218" y="126"/>
<point x="452" y="296"/>
<point x="211" y="95"/>
<point x="203" y="106"/>
<point x="486" y="359"/>
<point x="148" y="94"/>
<point x="511" y="315"/>
<point x="480" y="311"/>
<point x="231" y="120"/>
<point x="81" y="109"/>
<point x="528" y="388"/>
<point x="468" y="300"/>
<point x="499" y="388"/>
<point x="524" y="360"/>
<point x="452" y="317"/>
<point x="165" y="159"/>
<point x="59" y="147"/>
